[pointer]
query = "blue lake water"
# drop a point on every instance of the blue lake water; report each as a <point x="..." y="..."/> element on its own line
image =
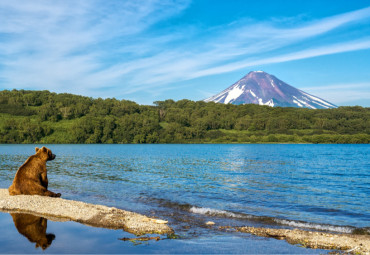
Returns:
<point x="322" y="187"/>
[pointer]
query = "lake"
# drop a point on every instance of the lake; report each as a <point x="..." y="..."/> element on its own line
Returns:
<point x="318" y="187"/>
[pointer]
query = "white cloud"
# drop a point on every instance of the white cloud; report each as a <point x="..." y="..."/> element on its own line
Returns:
<point x="220" y="53"/>
<point x="60" y="46"/>
<point x="88" y="45"/>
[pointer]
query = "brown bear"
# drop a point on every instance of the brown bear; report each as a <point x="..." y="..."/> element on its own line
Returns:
<point x="34" y="228"/>
<point x="31" y="178"/>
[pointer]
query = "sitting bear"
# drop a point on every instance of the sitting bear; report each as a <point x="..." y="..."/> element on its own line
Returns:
<point x="34" y="228"/>
<point x="31" y="178"/>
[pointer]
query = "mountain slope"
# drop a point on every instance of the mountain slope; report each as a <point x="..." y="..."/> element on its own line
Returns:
<point x="261" y="88"/>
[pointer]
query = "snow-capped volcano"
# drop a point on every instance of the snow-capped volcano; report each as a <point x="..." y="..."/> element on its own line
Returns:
<point x="261" y="88"/>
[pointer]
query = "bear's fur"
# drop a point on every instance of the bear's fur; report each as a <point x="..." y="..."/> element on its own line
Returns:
<point x="34" y="228"/>
<point x="31" y="178"/>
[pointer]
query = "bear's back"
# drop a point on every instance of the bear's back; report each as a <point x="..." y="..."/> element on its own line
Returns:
<point x="30" y="170"/>
<point x="31" y="166"/>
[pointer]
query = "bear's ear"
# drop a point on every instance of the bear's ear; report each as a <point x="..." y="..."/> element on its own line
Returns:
<point x="43" y="149"/>
<point x="37" y="149"/>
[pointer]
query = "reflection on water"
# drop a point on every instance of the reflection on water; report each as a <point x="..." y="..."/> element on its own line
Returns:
<point x="76" y="238"/>
<point x="34" y="228"/>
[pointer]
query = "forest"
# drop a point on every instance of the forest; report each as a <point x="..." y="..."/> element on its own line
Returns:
<point x="51" y="118"/>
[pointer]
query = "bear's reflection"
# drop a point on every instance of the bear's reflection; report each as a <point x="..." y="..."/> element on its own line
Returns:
<point x="34" y="228"/>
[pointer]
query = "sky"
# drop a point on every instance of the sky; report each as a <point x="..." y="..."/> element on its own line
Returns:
<point x="152" y="50"/>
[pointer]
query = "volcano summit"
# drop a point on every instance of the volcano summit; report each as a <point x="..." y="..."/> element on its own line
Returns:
<point x="261" y="88"/>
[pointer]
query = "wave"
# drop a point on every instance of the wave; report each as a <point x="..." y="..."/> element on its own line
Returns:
<point x="218" y="213"/>
<point x="261" y="219"/>
<point x="316" y="226"/>
<point x="272" y="220"/>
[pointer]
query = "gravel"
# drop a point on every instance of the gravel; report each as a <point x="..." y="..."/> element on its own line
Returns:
<point x="59" y="209"/>
<point x="354" y="244"/>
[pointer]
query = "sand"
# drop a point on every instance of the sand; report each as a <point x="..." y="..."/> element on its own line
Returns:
<point x="59" y="209"/>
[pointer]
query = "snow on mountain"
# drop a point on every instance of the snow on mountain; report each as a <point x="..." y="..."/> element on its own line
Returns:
<point x="261" y="88"/>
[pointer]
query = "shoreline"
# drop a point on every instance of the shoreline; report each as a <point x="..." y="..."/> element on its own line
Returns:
<point x="59" y="209"/>
<point x="194" y="143"/>
<point x="349" y="243"/>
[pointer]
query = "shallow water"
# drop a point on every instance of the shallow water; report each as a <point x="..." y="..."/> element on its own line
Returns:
<point x="72" y="237"/>
<point x="324" y="187"/>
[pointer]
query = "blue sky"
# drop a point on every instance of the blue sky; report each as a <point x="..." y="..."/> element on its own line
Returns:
<point x="160" y="49"/>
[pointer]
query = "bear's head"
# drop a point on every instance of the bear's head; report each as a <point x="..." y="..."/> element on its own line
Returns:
<point x="45" y="241"/>
<point x="45" y="153"/>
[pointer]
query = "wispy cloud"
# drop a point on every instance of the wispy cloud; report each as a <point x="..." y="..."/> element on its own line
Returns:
<point x="343" y="94"/>
<point x="303" y="54"/>
<point x="88" y="45"/>
<point x="61" y="45"/>
<point x="251" y="43"/>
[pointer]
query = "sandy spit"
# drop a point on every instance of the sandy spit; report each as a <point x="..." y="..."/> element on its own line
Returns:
<point x="354" y="244"/>
<point x="59" y="209"/>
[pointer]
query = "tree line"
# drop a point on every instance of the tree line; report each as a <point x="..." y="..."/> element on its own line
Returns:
<point x="45" y="117"/>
